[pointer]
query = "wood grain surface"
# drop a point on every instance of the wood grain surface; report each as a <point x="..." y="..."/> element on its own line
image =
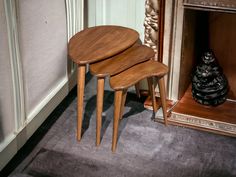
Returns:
<point x="222" y="37"/>
<point x="80" y="100"/>
<point x="136" y="73"/>
<point x="118" y="63"/>
<point x="212" y="4"/>
<point x="100" y="42"/>
<point x="223" y="113"/>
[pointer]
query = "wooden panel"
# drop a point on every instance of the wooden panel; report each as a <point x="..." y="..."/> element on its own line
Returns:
<point x="188" y="51"/>
<point x="222" y="37"/>
<point x="227" y="5"/>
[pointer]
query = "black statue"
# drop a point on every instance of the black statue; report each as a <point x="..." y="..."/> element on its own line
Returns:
<point x="209" y="84"/>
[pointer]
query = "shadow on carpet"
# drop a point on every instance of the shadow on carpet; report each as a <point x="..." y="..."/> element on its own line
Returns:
<point x="145" y="148"/>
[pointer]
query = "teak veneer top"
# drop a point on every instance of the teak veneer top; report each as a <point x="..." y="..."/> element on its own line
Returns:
<point x="100" y="42"/>
<point x="136" y="73"/>
<point x="122" y="61"/>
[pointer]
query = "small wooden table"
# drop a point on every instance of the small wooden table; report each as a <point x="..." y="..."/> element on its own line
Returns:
<point x="92" y="45"/>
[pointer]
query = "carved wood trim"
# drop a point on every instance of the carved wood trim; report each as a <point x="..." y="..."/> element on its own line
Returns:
<point x="151" y="24"/>
<point x="154" y="26"/>
<point x="203" y="123"/>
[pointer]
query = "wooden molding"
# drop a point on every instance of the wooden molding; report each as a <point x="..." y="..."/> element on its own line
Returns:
<point x="15" y="61"/>
<point x="203" y="123"/>
<point x="151" y="25"/>
<point x="212" y="5"/>
<point x="75" y="17"/>
<point x="154" y="26"/>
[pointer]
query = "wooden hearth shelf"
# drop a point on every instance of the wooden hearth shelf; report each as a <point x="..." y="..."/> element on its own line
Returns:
<point x="220" y="119"/>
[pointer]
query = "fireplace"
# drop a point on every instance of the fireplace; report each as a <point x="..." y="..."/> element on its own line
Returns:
<point x="197" y="27"/>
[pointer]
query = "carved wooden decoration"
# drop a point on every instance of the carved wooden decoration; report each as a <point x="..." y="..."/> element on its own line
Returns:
<point x="151" y="25"/>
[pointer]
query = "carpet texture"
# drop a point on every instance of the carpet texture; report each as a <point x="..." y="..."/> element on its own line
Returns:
<point x="145" y="148"/>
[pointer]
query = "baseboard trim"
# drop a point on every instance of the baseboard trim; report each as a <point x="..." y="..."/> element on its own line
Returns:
<point x="46" y="100"/>
<point x="10" y="146"/>
<point x="204" y="123"/>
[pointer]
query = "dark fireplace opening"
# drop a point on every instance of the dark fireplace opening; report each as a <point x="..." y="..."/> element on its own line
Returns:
<point x="204" y="31"/>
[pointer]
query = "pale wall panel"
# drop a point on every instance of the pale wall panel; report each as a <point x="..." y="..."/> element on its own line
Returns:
<point x="43" y="47"/>
<point x="128" y="13"/>
<point x="7" y="123"/>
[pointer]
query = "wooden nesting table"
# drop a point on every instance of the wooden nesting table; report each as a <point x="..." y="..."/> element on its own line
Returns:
<point x="136" y="54"/>
<point x="92" y="45"/>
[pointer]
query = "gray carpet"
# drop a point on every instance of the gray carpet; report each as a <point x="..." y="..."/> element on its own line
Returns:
<point x="145" y="148"/>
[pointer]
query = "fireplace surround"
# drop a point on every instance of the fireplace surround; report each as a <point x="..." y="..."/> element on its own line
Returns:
<point x="197" y="26"/>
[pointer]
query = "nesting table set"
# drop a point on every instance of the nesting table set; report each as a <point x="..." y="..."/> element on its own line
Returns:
<point x="116" y="52"/>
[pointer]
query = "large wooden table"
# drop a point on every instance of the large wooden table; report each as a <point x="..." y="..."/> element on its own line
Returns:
<point x="92" y="45"/>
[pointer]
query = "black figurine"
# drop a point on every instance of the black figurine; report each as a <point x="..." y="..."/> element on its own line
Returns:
<point x="209" y="84"/>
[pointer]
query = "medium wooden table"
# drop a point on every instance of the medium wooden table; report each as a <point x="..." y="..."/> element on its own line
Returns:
<point x="92" y="45"/>
<point x="135" y="54"/>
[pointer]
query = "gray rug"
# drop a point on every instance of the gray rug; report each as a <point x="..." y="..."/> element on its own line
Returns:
<point x="145" y="148"/>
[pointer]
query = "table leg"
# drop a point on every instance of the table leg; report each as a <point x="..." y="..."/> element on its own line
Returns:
<point x="80" y="98"/>
<point x="100" y="95"/>
<point x="124" y="94"/>
<point x="137" y="90"/>
<point x="151" y="88"/>
<point x="161" y="84"/>
<point x="117" y="109"/>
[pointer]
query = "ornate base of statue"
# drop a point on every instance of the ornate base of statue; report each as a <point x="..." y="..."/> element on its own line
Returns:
<point x="209" y="84"/>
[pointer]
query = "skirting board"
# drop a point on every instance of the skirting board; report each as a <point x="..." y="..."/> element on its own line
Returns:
<point x="212" y="126"/>
<point x="206" y="124"/>
<point x="198" y="123"/>
<point x="15" y="141"/>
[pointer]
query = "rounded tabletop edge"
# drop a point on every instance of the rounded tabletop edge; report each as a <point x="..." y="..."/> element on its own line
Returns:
<point x="117" y="83"/>
<point x="81" y="58"/>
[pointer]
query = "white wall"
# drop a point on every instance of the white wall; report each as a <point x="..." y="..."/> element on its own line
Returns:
<point x="43" y="48"/>
<point x="7" y="122"/>
<point x="129" y="13"/>
<point x="35" y="74"/>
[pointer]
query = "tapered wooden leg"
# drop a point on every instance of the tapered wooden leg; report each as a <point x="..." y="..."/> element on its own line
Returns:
<point x="117" y="109"/>
<point x="137" y="90"/>
<point x="152" y="93"/>
<point x="123" y="102"/>
<point x="80" y="98"/>
<point x="100" y="94"/>
<point x="161" y="84"/>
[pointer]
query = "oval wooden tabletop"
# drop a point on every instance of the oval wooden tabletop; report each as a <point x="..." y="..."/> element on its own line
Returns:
<point x="100" y="42"/>
<point x="136" y="73"/>
<point x="122" y="61"/>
